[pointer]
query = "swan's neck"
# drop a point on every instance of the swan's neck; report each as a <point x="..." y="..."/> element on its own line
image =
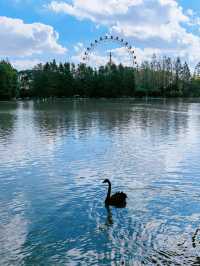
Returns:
<point x="109" y="191"/>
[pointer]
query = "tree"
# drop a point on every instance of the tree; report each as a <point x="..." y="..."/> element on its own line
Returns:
<point x="177" y="77"/>
<point x="197" y="71"/>
<point x="8" y="81"/>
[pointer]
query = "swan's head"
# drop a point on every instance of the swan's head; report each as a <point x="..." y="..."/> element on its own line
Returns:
<point x="106" y="181"/>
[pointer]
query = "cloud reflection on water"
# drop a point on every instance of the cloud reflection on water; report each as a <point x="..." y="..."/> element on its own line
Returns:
<point x="58" y="152"/>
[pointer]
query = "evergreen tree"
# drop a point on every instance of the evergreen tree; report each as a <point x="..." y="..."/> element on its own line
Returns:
<point x="177" y="77"/>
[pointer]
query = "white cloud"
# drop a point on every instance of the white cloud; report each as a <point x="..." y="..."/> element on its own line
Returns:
<point x="158" y="25"/>
<point x="95" y="60"/>
<point x="22" y="64"/>
<point x="21" y="39"/>
<point x="122" y="56"/>
<point x="139" y="18"/>
<point x="78" y="47"/>
<point x="94" y="9"/>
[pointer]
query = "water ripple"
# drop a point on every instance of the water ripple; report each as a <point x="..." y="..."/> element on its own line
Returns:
<point x="54" y="156"/>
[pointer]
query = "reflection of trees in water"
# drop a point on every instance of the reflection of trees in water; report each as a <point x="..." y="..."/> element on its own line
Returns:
<point x="80" y="116"/>
<point x="7" y="120"/>
<point x="53" y="118"/>
<point x="163" y="119"/>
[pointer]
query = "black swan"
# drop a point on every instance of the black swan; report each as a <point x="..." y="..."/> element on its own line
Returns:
<point x="118" y="199"/>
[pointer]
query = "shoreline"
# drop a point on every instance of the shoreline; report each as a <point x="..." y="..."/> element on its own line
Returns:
<point x="98" y="98"/>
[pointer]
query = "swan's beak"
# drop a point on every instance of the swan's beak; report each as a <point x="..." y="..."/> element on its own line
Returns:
<point x="104" y="181"/>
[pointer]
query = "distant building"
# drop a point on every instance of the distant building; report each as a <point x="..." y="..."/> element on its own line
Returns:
<point x="25" y="79"/>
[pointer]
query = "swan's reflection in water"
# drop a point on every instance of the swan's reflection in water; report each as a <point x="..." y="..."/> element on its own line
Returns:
<point x="109" y="219"/>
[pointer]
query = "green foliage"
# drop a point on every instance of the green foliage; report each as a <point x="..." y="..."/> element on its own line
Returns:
<point x="8" y="81"/>
<point x="65" y="80"/>
<point x="157" y="78"/>
<point x="160" y="77"/>
<point x="194" y="88"/>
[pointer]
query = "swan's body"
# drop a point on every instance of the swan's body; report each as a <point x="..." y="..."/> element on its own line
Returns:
<point x="118" y="199"/>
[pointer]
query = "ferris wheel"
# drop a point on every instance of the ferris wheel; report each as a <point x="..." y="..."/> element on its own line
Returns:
<point x="128" y="49"/>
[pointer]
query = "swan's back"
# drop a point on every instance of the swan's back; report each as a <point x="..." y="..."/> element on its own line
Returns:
<point x="118" y="199"/>
<point x="119" y="196"/>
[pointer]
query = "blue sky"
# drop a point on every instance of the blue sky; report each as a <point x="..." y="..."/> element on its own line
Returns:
<point x="37" y="31"/>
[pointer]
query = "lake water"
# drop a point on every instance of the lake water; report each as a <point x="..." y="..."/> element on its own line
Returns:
<point x="54" y="156"/>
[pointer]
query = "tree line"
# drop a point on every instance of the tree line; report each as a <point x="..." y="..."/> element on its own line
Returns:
<point x="159" y="77"/>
